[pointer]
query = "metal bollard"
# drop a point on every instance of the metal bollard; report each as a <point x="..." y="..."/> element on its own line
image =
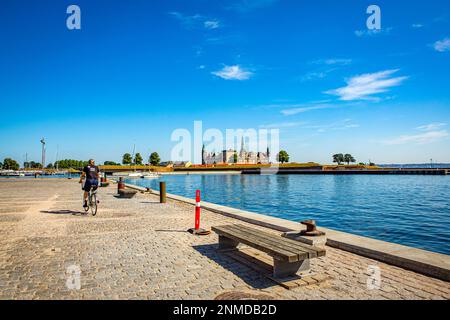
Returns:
<point x="162" y="192"/>
<point x="120" y="185"/>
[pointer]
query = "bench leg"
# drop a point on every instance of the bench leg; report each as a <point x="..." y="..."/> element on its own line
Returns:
<point x="227" y="243"/>
<point x="284" y="269"/>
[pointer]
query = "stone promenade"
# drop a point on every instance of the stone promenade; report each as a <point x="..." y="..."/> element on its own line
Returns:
<point x="139" y="249"/>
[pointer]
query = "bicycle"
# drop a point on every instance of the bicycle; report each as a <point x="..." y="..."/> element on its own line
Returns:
<point x="92" y="201"/>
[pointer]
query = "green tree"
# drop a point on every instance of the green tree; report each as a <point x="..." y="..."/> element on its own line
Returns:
<point x="10" y="164"/>
<point x="127" y="159"/>
<point x="138" y="159"/>
<point x="349" y="159"/>
<point x="235" y="157"/>
<point x="283" y="157"/>
<point x="50" y="166"/>
<point x="111" y="163"/>
<point x="154" y="159"/>
<point x="338" y="158"/>
<point x="69" y="163"/>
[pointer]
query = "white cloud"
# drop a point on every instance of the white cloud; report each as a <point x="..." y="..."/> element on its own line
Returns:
<point x="417" y="25"/>
<point x="371" y="33"/>
<point x="423" y="138"/>
<point x="212" y="24"/>
<point x="282" y="125"/>
<point x="334" y="61"/>
<point x="442" y="45"/>
<point x="327" y="66"/>
<point x="196" y="21"/>
<point x="363" y="87"/>
<point x="431" y="126"/>
<point x="296" y="109"/>
<point x="233" y="73"/>
<point x="315" y="75"/>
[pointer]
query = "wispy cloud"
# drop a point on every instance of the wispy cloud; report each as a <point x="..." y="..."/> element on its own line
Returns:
<point x="212" y="24"/>
<point x="196" y="21"/>
<point x="313" y="75"/>
<point x="326" y="66"/>
<point x="345" y="124"/>
<point x="442" y="45"/>
<point x="372" y="33"/>
<point x="333" y="61"/>
<point x="233" y="73"/>
<point x="363" y="87"/>
<point x="431" y="126"/>
<point x="281" y="125"/>
<point x="294" y="109"/>
<point x="248" y="5"/>
<point x="417" y="26"/>
<point x="431" y="133"/>
<point x="422" y="138"/>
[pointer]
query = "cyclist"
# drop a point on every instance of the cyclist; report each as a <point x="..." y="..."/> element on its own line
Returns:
<point x="91" y="174"/>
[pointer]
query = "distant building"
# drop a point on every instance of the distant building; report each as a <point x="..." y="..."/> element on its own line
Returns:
<point x="232" y="156"/>
<point x="182" y="164"/>
<point x="176" y="164"/>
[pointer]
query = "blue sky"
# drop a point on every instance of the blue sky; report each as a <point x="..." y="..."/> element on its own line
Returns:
<point x="138" y="70"/>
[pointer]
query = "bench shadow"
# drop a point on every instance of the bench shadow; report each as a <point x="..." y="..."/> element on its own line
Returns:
<point x="250" y="276"/>
<point x="71" y="212"/>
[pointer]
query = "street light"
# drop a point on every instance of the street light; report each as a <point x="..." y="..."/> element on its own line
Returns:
<point x="43" y="153"/>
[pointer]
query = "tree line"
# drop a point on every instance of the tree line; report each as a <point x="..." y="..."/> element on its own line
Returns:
<point x="343" y="158"/>
<point x="154" y="159"/>
<point x="9" y="164"/>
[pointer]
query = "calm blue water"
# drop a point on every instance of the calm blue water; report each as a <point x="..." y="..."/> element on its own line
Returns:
<point x="409" y="210"/>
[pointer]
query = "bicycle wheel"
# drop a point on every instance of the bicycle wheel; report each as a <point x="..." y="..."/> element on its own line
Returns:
<point x="93" y="204"/>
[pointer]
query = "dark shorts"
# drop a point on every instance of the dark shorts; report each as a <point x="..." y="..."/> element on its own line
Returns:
<point x="89" y="184"/>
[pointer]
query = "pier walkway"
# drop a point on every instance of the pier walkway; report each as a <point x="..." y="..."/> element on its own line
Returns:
<point x="138" y="249"/>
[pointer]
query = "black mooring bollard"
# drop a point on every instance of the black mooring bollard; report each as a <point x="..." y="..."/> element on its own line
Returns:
<point x="120" y="185"/>
<point x="162" y="192"/>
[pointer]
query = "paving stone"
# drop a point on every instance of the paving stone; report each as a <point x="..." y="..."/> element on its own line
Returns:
<point x="137" y="249"/>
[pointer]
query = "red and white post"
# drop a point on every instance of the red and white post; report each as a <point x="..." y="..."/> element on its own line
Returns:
<point x="196" y="230"/>
<point x="197" y="210"/>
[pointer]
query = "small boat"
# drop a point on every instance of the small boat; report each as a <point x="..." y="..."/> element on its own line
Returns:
<point x="150" y="175"/>
<point x="134" y="175"/>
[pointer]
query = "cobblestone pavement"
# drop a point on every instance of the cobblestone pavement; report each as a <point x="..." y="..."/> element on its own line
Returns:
<point x="138" y="249"/>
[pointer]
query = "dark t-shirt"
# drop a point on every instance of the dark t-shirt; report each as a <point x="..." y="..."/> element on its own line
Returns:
<point x="91" y="172"/>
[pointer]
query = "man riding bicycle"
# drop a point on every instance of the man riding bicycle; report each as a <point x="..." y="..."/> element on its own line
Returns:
<point x="91" y="174"/>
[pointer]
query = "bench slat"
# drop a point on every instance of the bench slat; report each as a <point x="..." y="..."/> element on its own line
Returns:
<point x="279" y="242"/>
<point x="252" y="241"/>
<point x="313" y="252"/>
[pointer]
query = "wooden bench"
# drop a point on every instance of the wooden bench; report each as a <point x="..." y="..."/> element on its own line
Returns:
<point x="289" y="256"/>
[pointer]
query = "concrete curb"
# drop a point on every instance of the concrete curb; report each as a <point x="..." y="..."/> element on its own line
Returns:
<point x="428" y="263"/>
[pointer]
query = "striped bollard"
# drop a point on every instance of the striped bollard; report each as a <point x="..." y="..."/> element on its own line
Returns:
<point x="196" y="230"/>
<point x="197" y="210"/>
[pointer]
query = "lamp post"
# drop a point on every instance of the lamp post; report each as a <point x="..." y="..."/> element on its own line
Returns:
<point x="43" y="153"/>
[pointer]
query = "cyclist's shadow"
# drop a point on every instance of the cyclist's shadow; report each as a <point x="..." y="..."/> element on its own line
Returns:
<point x="69" y="212"/>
